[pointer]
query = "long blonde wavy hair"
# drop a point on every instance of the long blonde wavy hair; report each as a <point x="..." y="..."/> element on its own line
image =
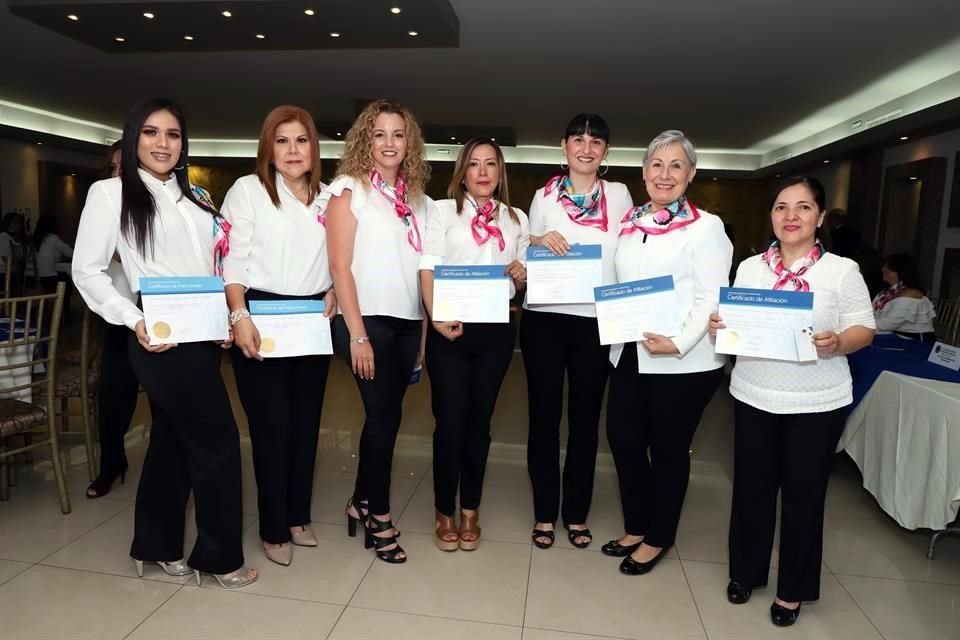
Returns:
<point x="357" y="158"/>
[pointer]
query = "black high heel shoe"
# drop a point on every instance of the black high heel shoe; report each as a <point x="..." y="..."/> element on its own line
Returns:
<point x="362" y="509"/>
<point x="783" y="617"/>
<point x="102" y="485"/>
<point x="391" y="556"/>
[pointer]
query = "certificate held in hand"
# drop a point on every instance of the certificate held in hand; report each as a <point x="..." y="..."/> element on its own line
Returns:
<point x="568" y="279"/>
<point x="471" y="293"/>
<point x="763" y="323"/>
<point x="180" y="310"/>
<point x="291" y="328"/>
<point x="628" y="310"/>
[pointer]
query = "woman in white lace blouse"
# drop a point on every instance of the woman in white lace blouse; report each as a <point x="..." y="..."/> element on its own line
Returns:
<point x="902" y="308"/>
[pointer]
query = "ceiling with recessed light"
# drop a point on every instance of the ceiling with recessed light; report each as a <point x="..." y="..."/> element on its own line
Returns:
<point x="746" y="76"/>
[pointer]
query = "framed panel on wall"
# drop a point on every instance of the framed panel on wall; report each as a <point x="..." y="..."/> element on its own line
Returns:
<point x="953" y="218"/>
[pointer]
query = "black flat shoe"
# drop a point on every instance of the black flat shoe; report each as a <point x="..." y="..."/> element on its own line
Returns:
<point x="537" y="534"/>
<point x="633" y="567"/>
<point x="573" y="534"/>
<point x="783" y="617"/>
<point x="737" y="593"/>
<point x="617" y="550"/>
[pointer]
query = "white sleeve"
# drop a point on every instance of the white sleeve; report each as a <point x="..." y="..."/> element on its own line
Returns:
<point x="854" y="299"/>
<point x="97" y="239"/>
<point x="358" y="193"/>
<point x="238" y="211"/>
<point x="435" y="239"/>
<point x="537" y="226"/>
<point x="523" y="242"/>
<point x="63" y="248"/>
<point x="711" y="270"/>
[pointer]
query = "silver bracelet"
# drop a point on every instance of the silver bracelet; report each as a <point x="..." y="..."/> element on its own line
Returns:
<point x="238" y="315"/>
<point x="360" y="340"/>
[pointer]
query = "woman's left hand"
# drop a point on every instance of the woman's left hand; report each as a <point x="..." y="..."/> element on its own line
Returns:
<point x="330" y="304"/>
<point x="226" y="344"/>
<point x="656" y="344"/>
<point x="517" y="272"/>
<point x="827" y="343"/>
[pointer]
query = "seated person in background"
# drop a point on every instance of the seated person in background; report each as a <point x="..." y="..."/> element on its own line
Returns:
<point x="50" y="250"/>
<point x="902" y="307"/>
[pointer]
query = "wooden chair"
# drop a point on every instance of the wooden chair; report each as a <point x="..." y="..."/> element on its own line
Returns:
<point x="945" y="325"/>
<point x="79" y="377"/>
<point x="20" y="352"/>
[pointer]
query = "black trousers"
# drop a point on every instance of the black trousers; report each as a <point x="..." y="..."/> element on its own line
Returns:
<point x="465" y="379"/>
<point x="283" y="400"/>
<point x="194" y="444"/>
<point x="655" y="415"/>
<point x="396" y="344"/>
<point x="790" y="454"/>
<point x="117" y="399"/>
<point x="554" y="344"/>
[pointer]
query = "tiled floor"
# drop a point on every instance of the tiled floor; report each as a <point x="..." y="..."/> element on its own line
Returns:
<point x="70" y="577"/>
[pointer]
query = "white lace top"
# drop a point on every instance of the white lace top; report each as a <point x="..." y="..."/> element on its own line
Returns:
<point x="914" y="315"/>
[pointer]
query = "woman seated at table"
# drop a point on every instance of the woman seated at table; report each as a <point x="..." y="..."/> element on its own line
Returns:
<point x="50" y="250"/>
<point x="788" y="416"/>
<point x="902" y="308"/>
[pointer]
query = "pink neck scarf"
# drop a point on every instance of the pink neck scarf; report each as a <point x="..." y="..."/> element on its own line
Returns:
<point x="588" y="209"/>
<point x="655" y="222"/>
<point x="482" y="226"/>
<point x="786" y="278"/>
<point x="887" y="295"/>
<point x="397" y="195"/>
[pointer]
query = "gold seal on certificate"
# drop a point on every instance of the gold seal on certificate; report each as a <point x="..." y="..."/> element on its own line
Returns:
<point x="268" y="345"/>
<point x="162" y="330"/>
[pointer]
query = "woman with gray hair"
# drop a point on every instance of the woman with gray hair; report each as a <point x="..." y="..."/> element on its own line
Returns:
<point x="661" y="384"/>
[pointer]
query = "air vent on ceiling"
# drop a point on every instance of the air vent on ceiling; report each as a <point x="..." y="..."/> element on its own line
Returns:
<point x="887" y="117"/>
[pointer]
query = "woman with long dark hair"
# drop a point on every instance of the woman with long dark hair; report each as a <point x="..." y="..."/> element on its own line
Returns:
<point x="163" y="227"/>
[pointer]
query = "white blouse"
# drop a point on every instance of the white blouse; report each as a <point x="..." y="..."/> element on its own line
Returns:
<point x="698" y="256"/>
<point x="183" y="246"/>
<point x="48" y="255"/>
<point x="385" y="266"/>
<point x="449" y="238"/>
<point x="547" y="214"/>
<point x="913" y="315"/>
<point x="840" y="301"/>
<point x="283" y="250"/>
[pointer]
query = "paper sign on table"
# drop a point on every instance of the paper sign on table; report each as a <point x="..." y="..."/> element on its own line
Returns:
<point x="180" y="310"/>
<point x="291" y="328"/>
<point x="568" y="279"/>
<point x="763" y="323"/>
<point x="945" y="356"/>
<point x="628" y="310"/>
<point x="471" y="293"/>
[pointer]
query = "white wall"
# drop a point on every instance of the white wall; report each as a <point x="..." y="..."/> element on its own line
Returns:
<point x="19" y="182"/>
<point x="943" y="145"/>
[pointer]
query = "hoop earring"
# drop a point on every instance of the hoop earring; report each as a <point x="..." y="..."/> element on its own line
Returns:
<point x="563" y="159"/>
<point x="183" y="162"/>
<point x="603" y="170"/>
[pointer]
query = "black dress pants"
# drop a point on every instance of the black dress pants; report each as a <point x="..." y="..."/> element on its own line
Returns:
<point x="654" y="415"/>
<point x="283" y="400"/>
<point x="554" y="344"/>
<point x="117" y="399"/>
<point x="790" y="454"/>
<point x="396" y="344"/>
<point x="465" y="379"/>
<point x="194" y="444"/>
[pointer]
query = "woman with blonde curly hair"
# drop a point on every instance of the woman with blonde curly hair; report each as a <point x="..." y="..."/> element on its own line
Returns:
<point x="376" y="220"/>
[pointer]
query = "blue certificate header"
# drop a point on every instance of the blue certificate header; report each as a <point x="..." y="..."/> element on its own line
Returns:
<point x="767" y="298"/>
<point x="635" y="288"/>
<point x="576" y="252"/>
<point x="285" y="307"/>
<point x="470" y="272"/>
<point x="161" y="286"/>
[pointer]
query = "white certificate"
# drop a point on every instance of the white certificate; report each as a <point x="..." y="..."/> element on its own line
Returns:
<point x="184" y="310"/>
<point x="568" y="279"/>
<point x="762" y="323"/>
<point x="468" y="293"/>
<point x="291" y="328"/>
<point x="626" y="311"/>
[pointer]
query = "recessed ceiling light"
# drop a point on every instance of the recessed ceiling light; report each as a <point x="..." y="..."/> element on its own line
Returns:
<point x="826" y="162"/>
<point x="904" y="137"/>
<point x="334" y="34"/>
<point x="395" y="10"/>
<point x="260" y="36"/>
<point x="412" y="34"/>
<point x="40" y="143"/>
<point x="494" y="139"/>
<point x="309" y="12"/>
<point x="226" y="14"/>
<point x="453" y="137"/>
<point x="120" y="39"/>
<point x="913" y="177"/>
<point x="148" y="16"/>
<point x="339" y="134"/>
<point x="74" y="175"/>
<point x="188" y="37"/>
<point x="73" y="17"/>
<point x="714" y="179"/>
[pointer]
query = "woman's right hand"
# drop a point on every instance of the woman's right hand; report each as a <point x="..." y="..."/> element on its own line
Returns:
<point x="361" y="358"/>
<point x="716" y="322"/>
<point x="554" y="241"/>
<point x="144" y="339"/>
<point x="246" y="336"/>
<point x="449" y="330"/>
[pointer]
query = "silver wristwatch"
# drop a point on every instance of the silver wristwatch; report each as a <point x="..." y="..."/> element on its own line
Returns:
<point x="238" y="315"/>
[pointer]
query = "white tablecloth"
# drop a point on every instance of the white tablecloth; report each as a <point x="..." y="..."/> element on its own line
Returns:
<point x="905" y="437"/>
